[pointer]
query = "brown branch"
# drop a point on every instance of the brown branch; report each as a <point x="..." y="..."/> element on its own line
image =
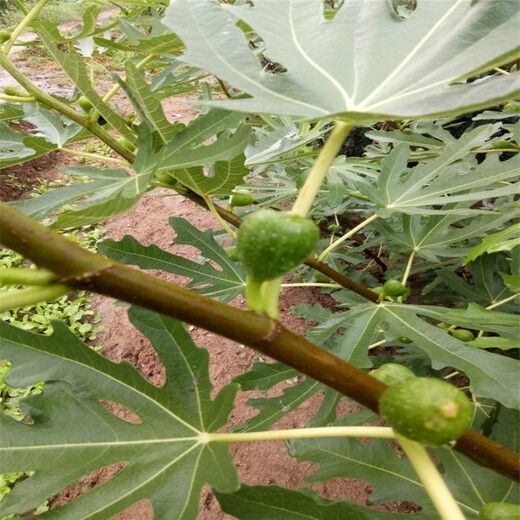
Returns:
<point x="83" y="269"/>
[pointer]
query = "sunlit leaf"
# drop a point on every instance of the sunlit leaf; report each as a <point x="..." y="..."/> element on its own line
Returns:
<point x="388" y="67"/>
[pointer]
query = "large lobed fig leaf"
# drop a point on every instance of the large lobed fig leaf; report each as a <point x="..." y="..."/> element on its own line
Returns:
<point x="166" y="455"/>
<point x="367" y="63"/>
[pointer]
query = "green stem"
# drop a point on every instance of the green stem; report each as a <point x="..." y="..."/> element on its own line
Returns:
<point x="31" y="296"/>
<point x="270" y="292"/>
<point x="17" y="99"/>
<point x="409" y="267"/>
<point x="219" y="219"/>
<point x="22" y="276"/>
<point x="501" y="302"/>
<point x="376" y="344"/>
<point x="374" y="432"/>
<point x="224" y="88"/>
<point x="64" y="109"/>
<point x="95" y="156"/>
<point x="317" y="284"/>
<point x="180" y="189"/>
<point x="319" y="171"/>
<point x="21" y="6"/>
<point x="254" y="295"/>
<point x="498" y="150"/>
<point x="434" y="484"/>
<point x="358" y="196"/>
<point x="346" y="236"/>
<point x="82" y="269"/>
<point x="31" y="15"/>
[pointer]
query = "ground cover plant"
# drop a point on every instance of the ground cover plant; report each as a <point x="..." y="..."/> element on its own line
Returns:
<point x="412" y="234"/>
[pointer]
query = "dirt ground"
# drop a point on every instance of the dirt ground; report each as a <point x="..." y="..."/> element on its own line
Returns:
<point x="257" y="463"/>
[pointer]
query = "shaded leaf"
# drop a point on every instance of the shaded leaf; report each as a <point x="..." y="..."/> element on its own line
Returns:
<point x="272" y="409"/>
<point x="19" y="147"/>
<point x="49" y="125"/>
<point x="435" y="237"/>
<point x="488" y="285"/>
<point x="225" y="283"/>
<point x="145" y="103"/>
<point x="495" y="242"/>
<point x="277" y="503"/>
<point x="167" y="461"/>
<point x="271" y="146"/>
<point x="74" y="66"/>
<point x="160" y="44"/>
<point x="493" y="342"/>
<point x="439" y="181"/>
<point x="344" y="457"/>
<point x="116" y="192"/>
<point x="221" y="179"/>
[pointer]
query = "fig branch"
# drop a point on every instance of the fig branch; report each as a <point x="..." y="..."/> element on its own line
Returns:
<point x="78" y="268"/>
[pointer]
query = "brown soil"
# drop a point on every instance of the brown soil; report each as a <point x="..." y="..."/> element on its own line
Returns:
<point x="257" y="463"/>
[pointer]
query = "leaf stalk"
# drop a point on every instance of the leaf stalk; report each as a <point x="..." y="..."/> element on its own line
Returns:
<point x="346" y="236"/>
<point x="434" y="484"/>
<point x="23" y="276"/>
<point x="379" y="432"/>
<point x="31" y="296"/>
<point x="319" y="171"/>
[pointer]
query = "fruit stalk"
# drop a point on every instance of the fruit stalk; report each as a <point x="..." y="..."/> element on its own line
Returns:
<point x="218" y="218"/>
<point x="346" y="236"/>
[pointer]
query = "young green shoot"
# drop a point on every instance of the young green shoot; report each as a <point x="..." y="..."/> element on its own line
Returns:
<point x="346" y="236"/>
<point x="27" y="19"/>
<point x="23" y="276"/>
<point x="218" y="218"/>
<point x="409" y="267"/>
<point x="95" y="156"/>
<point x="31" y="296"/>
